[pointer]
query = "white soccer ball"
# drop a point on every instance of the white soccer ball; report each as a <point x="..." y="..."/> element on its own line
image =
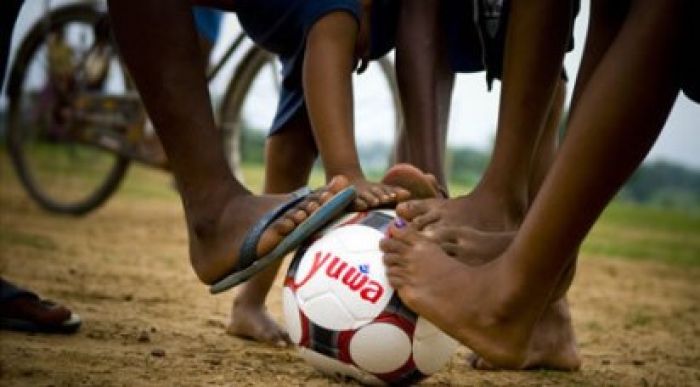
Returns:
<point x="345" y="318"/>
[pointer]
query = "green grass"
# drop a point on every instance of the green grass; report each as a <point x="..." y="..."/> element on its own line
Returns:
<point x="14" y="237"/>
<point x="634" y="231"/>
<point x="625" y="230"/>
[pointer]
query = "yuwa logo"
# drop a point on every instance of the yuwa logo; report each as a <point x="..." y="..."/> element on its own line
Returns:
<point x="337" y="269"/>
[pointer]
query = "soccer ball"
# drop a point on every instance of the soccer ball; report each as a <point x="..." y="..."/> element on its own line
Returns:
<point x="345" y="318"/>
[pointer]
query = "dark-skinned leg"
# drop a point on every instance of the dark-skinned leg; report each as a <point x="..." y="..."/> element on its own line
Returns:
<point x="159" y="45"/>
<point x="604" y="23"/>
<point x="500" y="200"/>
<point x="327" y="80"/>
<point x="289" y="157"/>
<point x="614" y="127"/>
<point x="425" y="84"/>
<point x="553" y="342"/>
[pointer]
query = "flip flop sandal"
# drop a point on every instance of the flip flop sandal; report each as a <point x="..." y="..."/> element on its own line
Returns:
<point x="13" y="318"/>
<point x="250" y="264"/>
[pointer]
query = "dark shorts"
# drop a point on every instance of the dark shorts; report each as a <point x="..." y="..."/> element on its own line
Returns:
<point x="475" y="31"/>
<point x="690" y="62"/>
<point x="281" y="27"/>
<point x="476" y="35"/>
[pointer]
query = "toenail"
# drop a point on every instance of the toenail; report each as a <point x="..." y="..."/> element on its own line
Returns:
<point x="400" y="223"/>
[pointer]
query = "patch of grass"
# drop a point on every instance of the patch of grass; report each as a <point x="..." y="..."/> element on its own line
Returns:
<point x="147" y="183"/>
<point x="637" y="318"/>
<point x="639" y="232"/>
<point x="625" y="230"/>
<point x="18" y="238"/>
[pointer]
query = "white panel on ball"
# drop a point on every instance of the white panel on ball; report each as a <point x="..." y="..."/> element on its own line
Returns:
<point x="338" y="369"/>
<point x="346" y="318"/>
<point x="291" y="315"/>
<point x="431" y="347"/>
<point x="356" y="279"/>
<point x="390" y="356"/>
<point x="327" y="311"/>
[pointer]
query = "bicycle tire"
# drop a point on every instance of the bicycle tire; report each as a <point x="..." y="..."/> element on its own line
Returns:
<point x="239" y="87"/>
<point x="29" y="47"/>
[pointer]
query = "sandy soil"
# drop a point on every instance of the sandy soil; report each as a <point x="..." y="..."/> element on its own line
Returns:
<point x="147" y="320"/>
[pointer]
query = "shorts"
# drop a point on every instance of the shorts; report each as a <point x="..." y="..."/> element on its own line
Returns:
<point x="281" y="27"/>
<point x="476" y="35"/>
<point x="690" y="61"/>
<point x="208" y="22"/>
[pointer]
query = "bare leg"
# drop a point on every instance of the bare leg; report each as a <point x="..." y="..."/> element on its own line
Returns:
<point x="425" y="83"/>
<point x="159" y="45"/>
<point x="328" y="66"/>
<point x="500" y="200"/>
<point x="289" y="156"/>
<point x="614" y="126"/>
<point x="605" y="21"/>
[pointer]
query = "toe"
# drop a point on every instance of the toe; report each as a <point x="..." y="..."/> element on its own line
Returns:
<point x="391" y="245"/>
<point x="422" y="221"/>
<point x="413" y="208"/>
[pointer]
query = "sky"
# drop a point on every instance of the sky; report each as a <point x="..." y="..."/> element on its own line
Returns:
<point x="474" y="110"/>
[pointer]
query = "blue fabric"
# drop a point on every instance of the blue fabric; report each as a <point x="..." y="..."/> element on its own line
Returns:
<point x="281" y="26"/>
<point x="208" y="22"/>
<point x="475" y="33"/>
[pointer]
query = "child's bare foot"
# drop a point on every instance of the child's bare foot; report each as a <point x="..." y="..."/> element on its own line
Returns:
<point x="251" y="321"/>
<point x="467" y="244"/>
<point x="495" y="321"/>
<point x="420" y="185"/>
<point x="373" y="195"/>
<point x="480" y="210"/>
<point x="218" y="225"/>
<point x="553" y="344"/>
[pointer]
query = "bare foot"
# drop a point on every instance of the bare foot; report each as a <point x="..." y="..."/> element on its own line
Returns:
<point x="374" y="195"/>
<point x="467" y="244"/>
<point x="219" y="224"/>
<point x="553" y="343"/>
<point x="254" y="323"/>
<point x="495" y="321"/>
<point x="420" y="185"/>
<point x="480" y="210"/>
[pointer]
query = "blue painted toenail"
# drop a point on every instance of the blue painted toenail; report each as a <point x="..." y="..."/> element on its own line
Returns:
<point x="400" y="223"/>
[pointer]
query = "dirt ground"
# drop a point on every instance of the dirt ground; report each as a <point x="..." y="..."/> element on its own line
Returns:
<point x="147" y="320"/>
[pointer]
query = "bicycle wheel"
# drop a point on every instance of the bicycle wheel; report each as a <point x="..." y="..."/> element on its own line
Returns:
<point x="250" y="103"/>
<point x="60" y="171"/>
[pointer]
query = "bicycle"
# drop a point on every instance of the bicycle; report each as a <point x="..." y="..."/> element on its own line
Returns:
<point x="75" y="122"/>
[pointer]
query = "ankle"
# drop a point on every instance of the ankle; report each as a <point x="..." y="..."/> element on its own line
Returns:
<point x="203" y="210"/>
<point x="245" y="302"/>
<point x="512" y="201"/>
